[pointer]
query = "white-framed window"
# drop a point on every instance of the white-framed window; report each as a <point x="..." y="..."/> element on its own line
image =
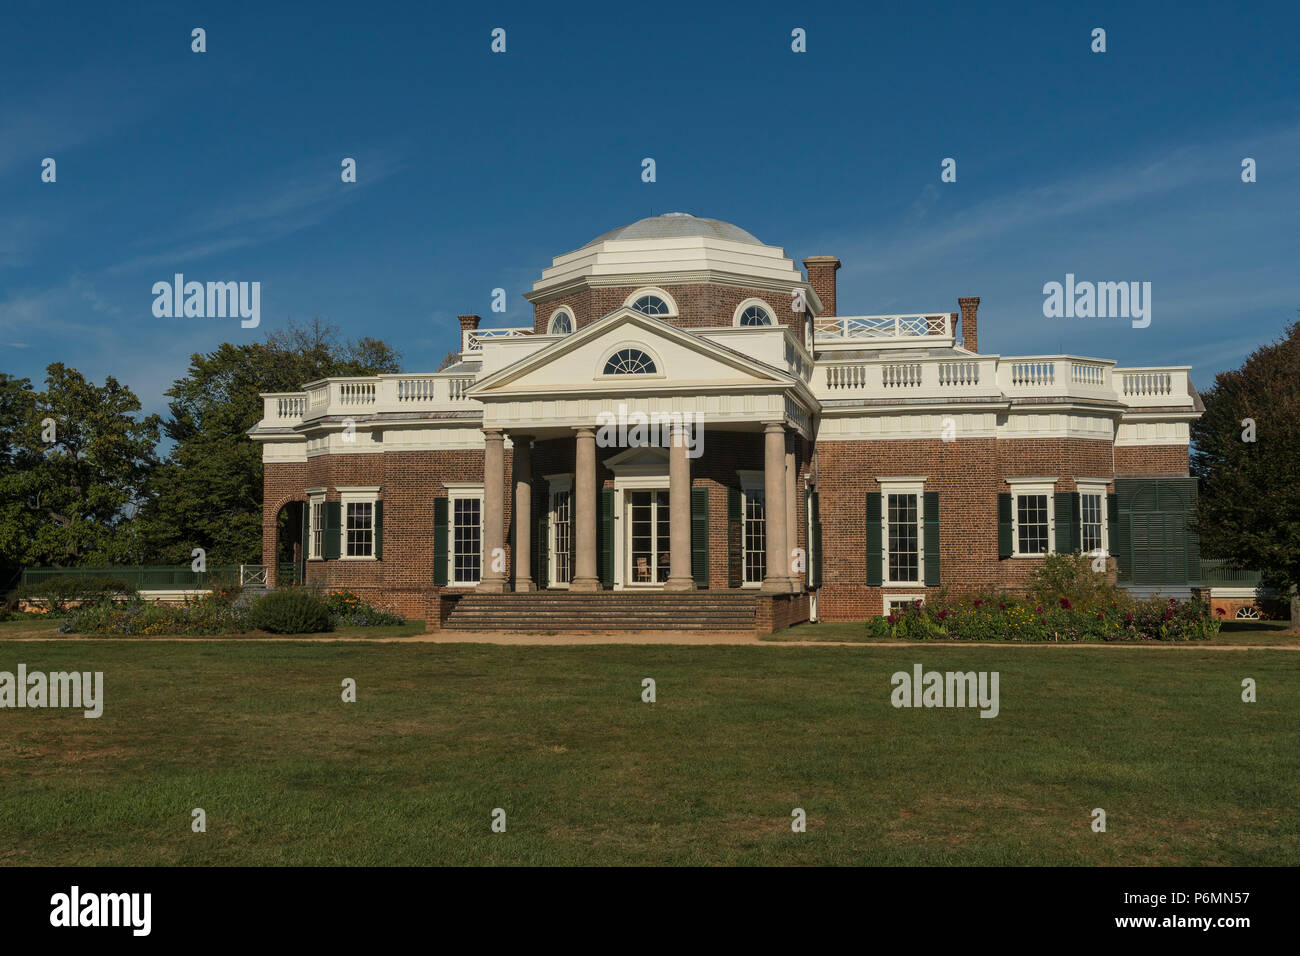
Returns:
<point x="560" y="531"/>
<point x="753" y="312"/>
<point x="902" y="502"/>
<point x="465" y="535"/>
<point x="1033" y="519"/>
<point x="315" y="524"/>
<point x="654" y="302"/>
<point x="357" y="510"/>
<point x="561" y="322"/>
<point x="753" y="529"/>
<point x="899" y="602"/>
<point x="630" y="361"/>
<point x="1093" y="531"/>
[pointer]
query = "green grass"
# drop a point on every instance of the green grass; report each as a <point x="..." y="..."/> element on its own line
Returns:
<point x="48" y="627"/>
<point x="257" y="736"/>
<point x="1252" y="633"/>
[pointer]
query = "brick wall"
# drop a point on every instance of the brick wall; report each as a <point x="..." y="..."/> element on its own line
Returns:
<point x="968" y="474"/>
<point x="1151" y="461"/>
<point x="699" y="306"/>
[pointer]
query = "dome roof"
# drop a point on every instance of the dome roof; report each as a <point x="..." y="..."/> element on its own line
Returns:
<point x="675" y="225"/>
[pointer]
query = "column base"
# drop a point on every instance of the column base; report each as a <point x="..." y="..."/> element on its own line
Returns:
<point x="493" y="586"/>
<point x="524" y="586"/>
<point x="585" y="584"/>
<point x="679" y="584"/>
<point x="777" y="586"/>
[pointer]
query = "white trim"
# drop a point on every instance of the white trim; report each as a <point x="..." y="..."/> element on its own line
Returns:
<point x="462" y="490"/>
<point x="559" y="484"/>
<point x="573" y="322"/>
<point x="317" y="497"/>
<point x="622" y="540"/>
<point x="1094" y="486"/>
<point x="356" y="495"/>
<point x="890" y="600"/>
<point x="601" y="375"/>
<point x="902" y="486"/>
<point x="771" y="314"/>
<point x="1032" y="486"/>
<point x="655" y="291"/>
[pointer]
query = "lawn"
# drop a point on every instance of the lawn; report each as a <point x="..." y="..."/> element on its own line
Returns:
<point x="440" y="735"/>
<point x="1249" y="633"/>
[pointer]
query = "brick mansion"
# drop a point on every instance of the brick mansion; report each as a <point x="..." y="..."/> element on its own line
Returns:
<point x="691" y="434"/>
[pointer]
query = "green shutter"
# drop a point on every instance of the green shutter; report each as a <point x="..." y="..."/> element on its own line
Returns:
<point x="874" y="562"/>
<point x="306" y="544"/>
<point x="379" y="530"/>
<point x="541" y="547"/>
<point x="1113" y="528"/>
<point x="605" y="533"/>
<point x="700" y="536"/>
<point x="931" y="539"/>
<point x="1004" y="524"/>
<point x="333" y="529"/>
<point x="1065" y="510"/>
<point x="735" y="571"/>
<point x="440" y="534"/>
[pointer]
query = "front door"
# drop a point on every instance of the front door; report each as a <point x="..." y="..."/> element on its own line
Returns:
<point x="646" y="542"/>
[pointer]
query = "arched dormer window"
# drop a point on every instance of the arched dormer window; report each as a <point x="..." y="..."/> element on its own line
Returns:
<point x="652" y="301"/>
<point x="754" y="315"/>
<point x="630" y="362"/>
<point x="561" y="322"/>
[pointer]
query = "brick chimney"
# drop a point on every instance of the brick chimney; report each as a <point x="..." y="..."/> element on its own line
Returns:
<point x="468" y="323"/>
<point x="821" y="276"/>
<point x="970" y="305"/>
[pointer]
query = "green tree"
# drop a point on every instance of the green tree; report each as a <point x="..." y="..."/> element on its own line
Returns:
<point x="75" y="469"/>
<point x="209" y="489"/>
<point x="1246" y="453"/>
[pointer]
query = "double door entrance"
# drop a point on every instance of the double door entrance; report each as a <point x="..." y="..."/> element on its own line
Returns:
<point x="645" y="538"/>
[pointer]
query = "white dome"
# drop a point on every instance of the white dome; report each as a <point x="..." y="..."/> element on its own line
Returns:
<point x="676" y="225"/>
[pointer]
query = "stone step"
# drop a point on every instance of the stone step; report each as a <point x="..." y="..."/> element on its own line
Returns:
<point x="604" y="611"/>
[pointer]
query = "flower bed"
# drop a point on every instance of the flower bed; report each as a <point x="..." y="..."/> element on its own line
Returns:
<point x="1011" y="619"/>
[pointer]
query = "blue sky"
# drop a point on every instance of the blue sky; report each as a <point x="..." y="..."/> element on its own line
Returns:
<point x="475" y="169"/>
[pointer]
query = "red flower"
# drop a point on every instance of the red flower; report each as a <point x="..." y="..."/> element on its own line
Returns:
<point x="1039" y="609"/>
<point x="892" y="619"/>
<point x="1065" y="603"/>
<point x="1128" y="618"/>
<point x="943" y="614"/>
<point x="1002" y="607"/>
<point x="1169" y="615"/>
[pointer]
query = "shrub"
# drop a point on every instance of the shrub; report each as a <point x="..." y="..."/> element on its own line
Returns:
<point x="290" y="611"/>
<point x="1070" y="576"/>
<point x="348" y="610"/>
<point x="58" y="592"/>
<point x="197" y="616"/>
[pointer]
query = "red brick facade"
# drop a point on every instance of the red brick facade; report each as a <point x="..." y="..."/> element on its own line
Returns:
<point x="698" y="306"/>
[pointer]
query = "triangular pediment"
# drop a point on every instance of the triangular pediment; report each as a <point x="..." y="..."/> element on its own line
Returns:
<point x="578" y="362"/>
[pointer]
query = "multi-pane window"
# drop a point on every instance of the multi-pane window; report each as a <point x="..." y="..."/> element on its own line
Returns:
<point x="755" y="315"/>
<point x="1090" y="522"/>
<point x="359" y="529"/>
<point x="1032" y="524"/>
<point x="561" y="323"/>
<point x="652" y="305"/>
<point x="466" y="540"/>
<point x="317" y="527"/>
<point x="630" y="362"/>
<point x="903" y="537"/>
<point x="754" y="538"/>
<point x="562" y="530"/>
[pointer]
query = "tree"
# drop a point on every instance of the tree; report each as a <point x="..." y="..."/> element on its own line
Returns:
<point x="1247" y="457"/>
<point x="75" y="468"/>
<point x="209" y="489"/>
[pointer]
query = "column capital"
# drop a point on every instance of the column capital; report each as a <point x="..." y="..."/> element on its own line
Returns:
<point x="494" y="434"/>
<point x="769" y="427"/>
<point x="585" y="431"/>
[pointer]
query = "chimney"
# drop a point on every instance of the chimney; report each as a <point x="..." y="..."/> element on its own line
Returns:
<point x="969" y="305"/>
<point x="468" y="323"/>
<point x="821" y="276"/>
